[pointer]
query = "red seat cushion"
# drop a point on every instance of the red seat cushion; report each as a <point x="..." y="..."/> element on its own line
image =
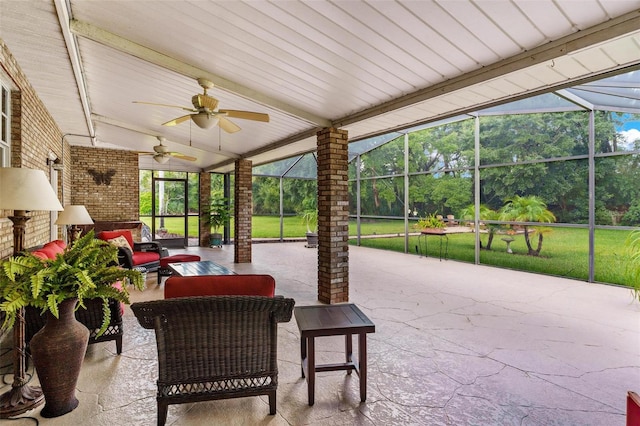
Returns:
<point x="140" y="257"/>
<point x="109" y="235"/>
<point x="177" y="258"/>
<point x="220" y="285"/>
<point x="633" y="409"/>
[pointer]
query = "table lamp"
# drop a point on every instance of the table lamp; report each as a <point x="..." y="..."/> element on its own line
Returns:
<point x="22" y="190"/>
<point x="74" y="215"/>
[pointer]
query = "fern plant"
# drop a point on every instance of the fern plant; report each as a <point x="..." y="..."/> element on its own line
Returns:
<point x="85" y="270"/>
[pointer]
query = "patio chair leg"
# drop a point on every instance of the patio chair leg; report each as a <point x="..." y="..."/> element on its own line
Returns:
<point x="272" y="402"/>
<point x="119" y="345"/>
<point x="163" y="407"/>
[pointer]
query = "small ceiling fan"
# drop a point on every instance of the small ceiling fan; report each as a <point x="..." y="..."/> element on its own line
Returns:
<point x="206" y="115"/>
<point x="162" y="154"/>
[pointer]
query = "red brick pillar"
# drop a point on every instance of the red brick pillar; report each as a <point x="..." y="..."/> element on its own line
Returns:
<point x="333" y="216"/>
<point x="242" y="211"/>
<point x="205" y="201"/>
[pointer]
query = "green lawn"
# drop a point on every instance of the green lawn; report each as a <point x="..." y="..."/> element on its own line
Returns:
<point x="565" y="251"/>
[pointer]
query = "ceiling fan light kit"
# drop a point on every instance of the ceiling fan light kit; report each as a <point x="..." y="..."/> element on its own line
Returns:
<point x="162" y="154"/>
<point x="205" y="120"/>
<point x="205" y="112"/>
<point x="161" y="158"/>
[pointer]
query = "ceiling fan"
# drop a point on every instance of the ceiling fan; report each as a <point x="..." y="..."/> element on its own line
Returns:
<point x="162" y="154"/>
<point x="206" y="115"/>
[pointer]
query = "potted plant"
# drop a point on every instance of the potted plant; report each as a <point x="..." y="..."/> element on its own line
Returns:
<point x="218" y="215"/>
<point x="310" y="219"/>
<point x="88" y="269"/>
<point x="432" y="224"/>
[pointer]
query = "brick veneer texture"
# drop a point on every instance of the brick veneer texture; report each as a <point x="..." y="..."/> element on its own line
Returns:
<point x="333" y="216"/>
<point x="115" y="198"/>
<point x="242" y="209"/>
<point x="34" y="135"/>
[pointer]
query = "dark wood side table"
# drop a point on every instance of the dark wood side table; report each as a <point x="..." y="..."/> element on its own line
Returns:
<point x="333" y="320"/>
<point x="195" y="269"/>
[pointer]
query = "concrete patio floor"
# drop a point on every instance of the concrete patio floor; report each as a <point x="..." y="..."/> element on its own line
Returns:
<point x="455" y="344"/>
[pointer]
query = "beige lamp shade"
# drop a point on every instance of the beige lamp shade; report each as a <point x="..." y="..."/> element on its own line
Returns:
<point x="26" y="189"/>
<point x="74" y="215"/>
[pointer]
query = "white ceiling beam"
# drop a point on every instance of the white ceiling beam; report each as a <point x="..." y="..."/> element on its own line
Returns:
<point x="620" y="26"/>
<point x="275" y="145"/>
<point x="124" y="125"/>
<point x="99" y="35"/>
<point x="582" y="103"/>
<point x="128" y="126"/>
<point x="72" y="51"/>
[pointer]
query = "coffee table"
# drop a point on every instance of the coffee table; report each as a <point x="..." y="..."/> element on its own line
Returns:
<point x="194" y="269"/>
<point x="333" y="320"/>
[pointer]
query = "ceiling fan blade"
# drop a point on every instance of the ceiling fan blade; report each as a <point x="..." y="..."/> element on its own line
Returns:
<point x="182" y="156"/>
<point x="165" y="105"/>
<point x="228" y="126"/>
<point x="245" y="115"/>
<point x="178" y="120"/>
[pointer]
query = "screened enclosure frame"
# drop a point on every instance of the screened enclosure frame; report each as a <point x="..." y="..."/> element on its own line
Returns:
<point x="619" y="94"/>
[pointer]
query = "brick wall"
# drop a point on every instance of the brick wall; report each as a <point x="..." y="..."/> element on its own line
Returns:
<point x="34" y="135"/>
<point x="333" y="216"/>
<point x="242" y="209"/>
<point x="115" y="195"/>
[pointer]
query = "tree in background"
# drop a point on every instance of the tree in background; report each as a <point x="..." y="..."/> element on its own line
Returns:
<point x="442" y="156"/>
<point x="527" y="209"/>
<point x="469" y="213"/>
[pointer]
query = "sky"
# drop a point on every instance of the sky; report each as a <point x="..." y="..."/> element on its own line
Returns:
<point x="631" y="132"/>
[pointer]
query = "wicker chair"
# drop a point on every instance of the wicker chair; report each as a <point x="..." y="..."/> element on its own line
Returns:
<point x="215" y="347"/>
<point x="90" y="317"/>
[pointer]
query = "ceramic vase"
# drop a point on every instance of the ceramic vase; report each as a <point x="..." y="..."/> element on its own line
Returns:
<point x="58" y="350"/>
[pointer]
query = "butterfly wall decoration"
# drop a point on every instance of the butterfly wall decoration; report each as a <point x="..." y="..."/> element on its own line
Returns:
<point x="102" y="177"/>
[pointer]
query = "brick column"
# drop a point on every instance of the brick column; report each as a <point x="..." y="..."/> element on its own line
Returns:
<point x="333" y="216"/>
<point x="242" y="211"/>
<point x="205" y="200"/>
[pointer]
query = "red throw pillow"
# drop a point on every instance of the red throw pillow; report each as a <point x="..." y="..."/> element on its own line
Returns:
<point x="60" y="243"/>
<point x="42" y="254"/>
<point x="53" y="247"/>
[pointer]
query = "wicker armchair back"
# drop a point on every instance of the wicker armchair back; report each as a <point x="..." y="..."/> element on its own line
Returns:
<point x="215" y="347"/>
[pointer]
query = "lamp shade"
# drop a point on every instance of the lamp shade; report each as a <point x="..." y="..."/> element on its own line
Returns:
<point x="26" y="189"/>
<point x="74" y="215"/>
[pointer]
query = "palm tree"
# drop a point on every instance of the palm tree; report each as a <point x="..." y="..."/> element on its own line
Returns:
<point x="633" y="267"/>
<point x="527" y="209"/>
<point x="469" y="213"/>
